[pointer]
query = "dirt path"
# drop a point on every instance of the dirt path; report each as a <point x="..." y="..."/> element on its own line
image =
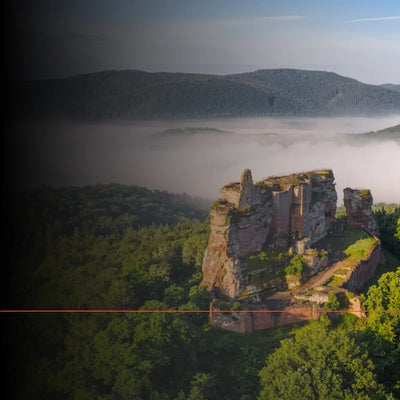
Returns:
<point x="321" y="278"/>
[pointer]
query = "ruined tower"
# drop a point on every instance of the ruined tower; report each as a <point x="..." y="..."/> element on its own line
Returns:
<point x="358" y="204"/>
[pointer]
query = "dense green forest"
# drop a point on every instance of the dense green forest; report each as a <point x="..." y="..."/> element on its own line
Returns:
<point x="138" y="94"/>
<point x="124" y="247"/>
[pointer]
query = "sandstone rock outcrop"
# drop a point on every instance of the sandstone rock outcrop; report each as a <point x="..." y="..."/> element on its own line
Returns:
<point x="358" y="208"/>
<point x="265" y="250"/>
<point x="274" y="213"/>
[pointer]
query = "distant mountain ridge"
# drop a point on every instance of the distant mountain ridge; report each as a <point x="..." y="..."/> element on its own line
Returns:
<point x="391" y="86"/>
<point x="134" y="94"/>
<point x="392" y="133"/>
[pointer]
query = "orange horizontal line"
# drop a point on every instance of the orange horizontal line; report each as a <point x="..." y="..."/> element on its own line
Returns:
<point x="197" y="311"/>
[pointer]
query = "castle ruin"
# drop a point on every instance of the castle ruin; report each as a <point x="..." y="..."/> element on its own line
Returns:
<point x="256" y="227"/>
<point x="295" y="210"/>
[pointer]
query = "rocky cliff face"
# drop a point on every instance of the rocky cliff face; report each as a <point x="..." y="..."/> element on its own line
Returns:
<point x="240" y="224"/>
<point x="358" y="208"/>
<point x="274" y="213"/>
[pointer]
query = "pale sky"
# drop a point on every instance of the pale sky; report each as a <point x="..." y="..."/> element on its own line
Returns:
<point x="355" y="38"/>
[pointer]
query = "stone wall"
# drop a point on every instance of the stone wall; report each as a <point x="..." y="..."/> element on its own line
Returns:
<point x="281" y="210"/>
<point x="245" y="322"/>
<point x="296" y="310"/>
<point x="301" y="201"/>
<point x="250" y="232"/>
<point x="363" y="270"/>
<point x="289" y="316"/>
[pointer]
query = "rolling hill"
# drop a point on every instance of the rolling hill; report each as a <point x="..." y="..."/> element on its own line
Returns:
<point x="391" y="86"/>
<point x="137" y="94"/>
<point x="392" y="133"/>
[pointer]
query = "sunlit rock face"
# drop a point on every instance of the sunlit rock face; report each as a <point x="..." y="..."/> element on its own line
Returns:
<point x="274" y="213"/>
<point x="358" y="204"/>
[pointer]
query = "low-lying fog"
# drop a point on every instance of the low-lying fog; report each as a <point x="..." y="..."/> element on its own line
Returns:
<point x="174" y="156"/>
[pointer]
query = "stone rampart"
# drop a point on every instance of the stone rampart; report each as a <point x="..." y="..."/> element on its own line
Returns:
<point x="363" y="270"/>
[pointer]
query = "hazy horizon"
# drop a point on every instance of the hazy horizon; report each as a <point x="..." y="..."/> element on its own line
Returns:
<point x="200" y="162"/>
<point x="50" y="39"/>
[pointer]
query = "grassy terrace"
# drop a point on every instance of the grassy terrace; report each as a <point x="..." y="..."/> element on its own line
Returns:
<point x="359" y="250"/>
<point x="350" y="247"/>
<point x="350" y="244"/>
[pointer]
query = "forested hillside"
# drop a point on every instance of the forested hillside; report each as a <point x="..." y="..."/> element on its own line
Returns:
<point x="138" y="94"/>
<point x="120" y="247"/>
<point x="391" y="86"/>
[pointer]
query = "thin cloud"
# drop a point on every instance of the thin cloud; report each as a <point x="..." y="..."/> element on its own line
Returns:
<point x="374" y="19"/>
<point x="281" y="18"/>
<point x="260" y="20"/>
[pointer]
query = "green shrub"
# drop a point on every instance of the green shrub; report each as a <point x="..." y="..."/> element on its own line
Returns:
<point x="322" y="255"/>
<point x="333" y="302"/>
<point x="235" y="214"/>
<point x="236" y="306"/>
<point x="296" y="265"/>
<point x="341" y="212"/>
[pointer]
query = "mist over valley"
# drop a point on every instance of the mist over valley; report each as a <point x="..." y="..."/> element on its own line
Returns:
<point x="200" y="156"/>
